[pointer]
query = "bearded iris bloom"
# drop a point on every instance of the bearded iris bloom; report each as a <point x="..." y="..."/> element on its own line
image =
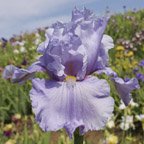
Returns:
<point x="73" y="98"/>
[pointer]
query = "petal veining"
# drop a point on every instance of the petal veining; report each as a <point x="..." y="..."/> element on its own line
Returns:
<point x="85" y="104"/>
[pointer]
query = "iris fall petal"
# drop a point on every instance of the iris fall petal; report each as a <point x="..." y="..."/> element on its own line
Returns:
<point x="124" y="88"/>
<point x="84" y="104"/>
<point x="21" y="75"/>
<point x="8" y="71"/>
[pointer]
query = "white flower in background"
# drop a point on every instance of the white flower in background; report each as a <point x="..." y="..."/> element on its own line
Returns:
<point x="111" y="123"/>
<point x="124" y="126"/>
<point x="37" y="35"/>
<point x="122" y="106"/>
<point x="38" y="39"/>
<point x="18" y="43"/>
<point x="22" y="49"/>
<point x="140" y="117"/>
<point x="15" y="43"/>
<point x="15" y="51"/>
<point x="22" y="43"/>
<point x="133" y="104"/>
<point x="127" y="122"/>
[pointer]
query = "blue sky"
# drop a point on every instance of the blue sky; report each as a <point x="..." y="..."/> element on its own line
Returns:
<point x="18" y="16"/>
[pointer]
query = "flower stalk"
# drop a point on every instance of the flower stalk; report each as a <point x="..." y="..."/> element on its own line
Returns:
<point x="78" y="139"/>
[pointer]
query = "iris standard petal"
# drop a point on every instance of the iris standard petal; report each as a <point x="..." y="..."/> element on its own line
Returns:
<point x="78" y="15"/>
<point x="53" y="64"/>
<point x="36" y="67"/>
<point x="90" y="33"/>
<point x="85" y="31"/>
<point x="8" y="71"/>
<point x="84" y="104"/>
<point x="76" y="63"/>
<point x="65" y="56"/>
<point x="43" y="46"/>
<point x="53" y="32"/>
<point x="82" y="71"/>
<point x="103" y="56"/>
<point x="107" y="42"/>
<point x="125" y="87"/>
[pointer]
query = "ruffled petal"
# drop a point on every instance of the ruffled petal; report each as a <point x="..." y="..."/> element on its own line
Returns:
<point x="53" y="64"/>
<point x="84" y="104"/>
<point x="107" y="70"/>
<point x="103" y="56"/>
<point x="53" y="32"/>
<point x="63" y="49"/>
<point x="8" y="71"/>
<point x="82" y="71"/>
<point x="91" y="33"/>
<point x="76" y="63"/>
<point x="65" y="55"/>
<point x="78" y="15"/>
<point x="36" y="67"/>
<point x="107" y="42"/>
<point x="42" y="47"/>
<point x="125" y="87"/>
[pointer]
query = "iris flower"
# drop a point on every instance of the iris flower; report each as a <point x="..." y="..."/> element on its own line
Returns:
<point x="73" y="98"/>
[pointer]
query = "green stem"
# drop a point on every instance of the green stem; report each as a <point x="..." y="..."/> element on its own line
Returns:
<point x="78" y="139"/>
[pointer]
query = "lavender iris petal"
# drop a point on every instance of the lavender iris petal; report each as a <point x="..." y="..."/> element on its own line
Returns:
<point x="65" y="55"/>
<point x="86" y="31"/>
<point x="103" y="56"/>
<point x="52" y="63"/>
<point x="141" y="63"/>
<point x="84" y="14"/>
<point x="8" y="71"/>
<point x="54" y="32"/>
<point x="140" y="76"/>
<point x="41" y="48"/>
<point x="21" y="75"/>
<point x="124" y="88"/>
<point x="108" y="71"/>
<point x="84" y="104"/>
<point x="91" y="33"/>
